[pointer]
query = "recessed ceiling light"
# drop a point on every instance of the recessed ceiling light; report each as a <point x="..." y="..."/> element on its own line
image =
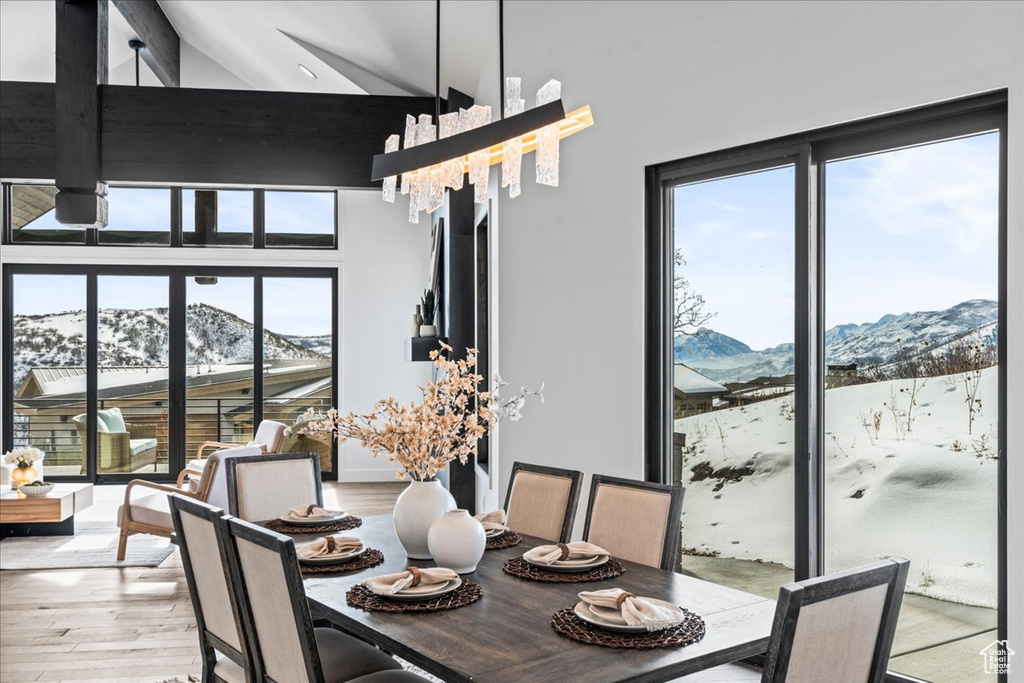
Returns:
<point x="305" y="69"/>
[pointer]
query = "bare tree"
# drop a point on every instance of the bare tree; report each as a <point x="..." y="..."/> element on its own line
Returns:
<point x="691" y="311"/>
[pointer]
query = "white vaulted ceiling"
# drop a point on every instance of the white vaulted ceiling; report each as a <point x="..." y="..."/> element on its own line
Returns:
<point x="259" y="44"/>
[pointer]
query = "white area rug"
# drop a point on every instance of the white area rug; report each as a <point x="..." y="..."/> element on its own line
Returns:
<point x="93" y="545"/>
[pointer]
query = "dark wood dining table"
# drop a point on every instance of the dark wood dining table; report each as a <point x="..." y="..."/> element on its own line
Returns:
<point x="507" y="636"/>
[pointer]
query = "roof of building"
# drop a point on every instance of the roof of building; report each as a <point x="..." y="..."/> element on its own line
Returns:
<point x="686" y="380"/>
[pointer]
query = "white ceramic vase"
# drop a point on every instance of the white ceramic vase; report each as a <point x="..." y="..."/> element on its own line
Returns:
<point x="428" y="330"/>
<point x="457" y="541"/>
<point x="419" y="506"/>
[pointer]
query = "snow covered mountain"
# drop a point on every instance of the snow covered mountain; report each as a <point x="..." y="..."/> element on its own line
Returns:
<point x="320" y="343"/>
<point x="139" y="337"/>
<point x="723" y="358"/>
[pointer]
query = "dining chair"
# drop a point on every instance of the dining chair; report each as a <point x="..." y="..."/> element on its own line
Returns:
<point x="541" y="501"/>
<point x="284" y="645"/>
<point x="151" y="513"/>
<point x="635" y="520"/>
<point x="264" y="488"/>
<point x="837" y="628"/>
<point x="202" y="542"/>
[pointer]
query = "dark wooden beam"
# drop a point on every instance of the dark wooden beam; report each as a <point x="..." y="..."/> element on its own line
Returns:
<point x="187" y="136"/>
<point x="163" y="46"/>
<point x="461" y="289"/>
<point x="81" y="65"/>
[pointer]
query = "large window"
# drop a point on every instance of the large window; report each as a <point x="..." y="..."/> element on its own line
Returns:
<point x="171" y="216"/>
<point x="182" y="356"/>
<point x="825" y="336"/>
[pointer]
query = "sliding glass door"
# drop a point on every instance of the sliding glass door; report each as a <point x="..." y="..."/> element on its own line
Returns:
<point x="912" y="385"/>
<point x="120" y="372"/>
<point x="826" y="369"/>
<point x="732" y="379"/>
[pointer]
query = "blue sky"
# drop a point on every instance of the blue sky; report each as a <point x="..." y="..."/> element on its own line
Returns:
<point x="908" y="230"/>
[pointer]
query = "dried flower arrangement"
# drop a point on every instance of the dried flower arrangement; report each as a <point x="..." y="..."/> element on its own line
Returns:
<point x="423" y="437"/>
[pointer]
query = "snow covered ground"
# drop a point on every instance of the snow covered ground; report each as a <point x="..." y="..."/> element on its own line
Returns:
<point x="921" y="487"/>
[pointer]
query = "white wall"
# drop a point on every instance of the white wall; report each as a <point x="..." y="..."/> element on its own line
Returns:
<point x="671" y="80"/>
<point x="382" y="262"/>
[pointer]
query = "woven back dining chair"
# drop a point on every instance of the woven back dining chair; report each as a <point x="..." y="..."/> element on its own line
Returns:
<point x="635" y="520"/>
<point x="202" y="542"/>
<point x="837" y="628"/>
<point x="284" y="645"/>
<point x="265" y="487"/>
<point x="541" y="501"/>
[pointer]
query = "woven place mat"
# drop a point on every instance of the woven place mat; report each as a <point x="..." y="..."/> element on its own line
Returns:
<point x="371" y="558"/>
<point x="506" y="540"/>
<point x="567" y="624"/>
<point x="343" y="524"/>
<point x="517" y="566"/>
<point x="362" y="597"/>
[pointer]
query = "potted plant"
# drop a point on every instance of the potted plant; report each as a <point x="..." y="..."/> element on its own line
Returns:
<point x="427" y="328"/>
<point x="24" y="461"/>
<point x="423" y="437"/>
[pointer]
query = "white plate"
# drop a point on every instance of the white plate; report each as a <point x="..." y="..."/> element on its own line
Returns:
<point x="599" y="616"/>
<point x="576" y="566"/>
<point x="494" y="533"/>
<point x="335" y="558"/>
<point x="299" y="521"/>
<point x="427" y="592"/>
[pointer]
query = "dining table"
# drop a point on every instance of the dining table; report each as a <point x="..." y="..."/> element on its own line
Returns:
<point x="506" y="636"/>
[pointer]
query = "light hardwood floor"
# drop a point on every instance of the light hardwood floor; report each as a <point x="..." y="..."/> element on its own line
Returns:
<point x="125" y="625"/>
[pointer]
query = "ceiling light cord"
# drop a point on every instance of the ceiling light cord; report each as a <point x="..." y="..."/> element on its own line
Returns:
<point x="437" y="69"/>
<point x="138" y="46"/>
<point x="501" y="59"/>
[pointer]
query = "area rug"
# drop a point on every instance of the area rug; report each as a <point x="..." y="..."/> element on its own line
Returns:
<point x="94" y="545"/>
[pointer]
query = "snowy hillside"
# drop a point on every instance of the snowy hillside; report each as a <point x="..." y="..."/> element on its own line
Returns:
<point x="139" y="338"/>
<point x="927" y="492"/>
<point x="725" y="359"/>
<point x="320" y="343"/>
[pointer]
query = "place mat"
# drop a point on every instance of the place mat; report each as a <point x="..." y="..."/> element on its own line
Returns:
<point x="506" y="540"/>
<point x="517" y="566"/>
<point x="362" y="597"/>
<point x="343" y="524"/>
<point x="371" y="558"/>
<point x="567" y="624"/>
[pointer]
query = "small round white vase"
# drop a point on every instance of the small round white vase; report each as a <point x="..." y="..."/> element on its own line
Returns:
<point x="419" y="506"/>
<point x="457" y="541"/>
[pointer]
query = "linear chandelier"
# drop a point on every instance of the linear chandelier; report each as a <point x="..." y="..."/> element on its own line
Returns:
<point x="437" y="153"/>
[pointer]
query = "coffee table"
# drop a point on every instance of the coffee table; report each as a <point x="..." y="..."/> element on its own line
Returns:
<point x="49" y="515"/>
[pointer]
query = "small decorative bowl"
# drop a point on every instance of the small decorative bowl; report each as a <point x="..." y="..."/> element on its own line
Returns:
<point x="35" y="491"/>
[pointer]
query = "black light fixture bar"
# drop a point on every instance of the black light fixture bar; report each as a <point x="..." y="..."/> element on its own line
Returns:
<point x="483" y="138"/>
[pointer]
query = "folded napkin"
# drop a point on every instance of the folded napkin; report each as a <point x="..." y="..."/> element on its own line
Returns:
<point x="492" y="520"/>
<point x="636" y="611"/>
<point x="547" y="554"/>
<point x="330" y="545"/>
<point x="389" y="584"/>
<point x="312" y="512"/>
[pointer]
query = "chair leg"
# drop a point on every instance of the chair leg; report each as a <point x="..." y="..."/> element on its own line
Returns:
<point x="122" y="542"/>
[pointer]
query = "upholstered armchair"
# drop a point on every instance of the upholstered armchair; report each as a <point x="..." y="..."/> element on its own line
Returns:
<point x="269" y="437"/>
<point x="116" y="450"/>
<point x="146" y="509"/>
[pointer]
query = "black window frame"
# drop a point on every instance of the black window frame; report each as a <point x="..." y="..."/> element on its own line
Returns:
<point x="177" y="276"/>
<point x="810" y="152"/>
<point x="285" y="241"/>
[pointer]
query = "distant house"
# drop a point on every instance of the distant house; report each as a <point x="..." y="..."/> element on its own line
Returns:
<point x="219" y="402"/>
<point x="840" y="375"/>
<point x="759" y="389"/>
<point x="694" y="393"/>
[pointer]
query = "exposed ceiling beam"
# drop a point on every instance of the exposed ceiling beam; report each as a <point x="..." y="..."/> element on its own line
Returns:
<point x="81" y="54"/>
<point x="163" y="46"/>
<point x="370" y="82"/>
<point x="184" y="135"/>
